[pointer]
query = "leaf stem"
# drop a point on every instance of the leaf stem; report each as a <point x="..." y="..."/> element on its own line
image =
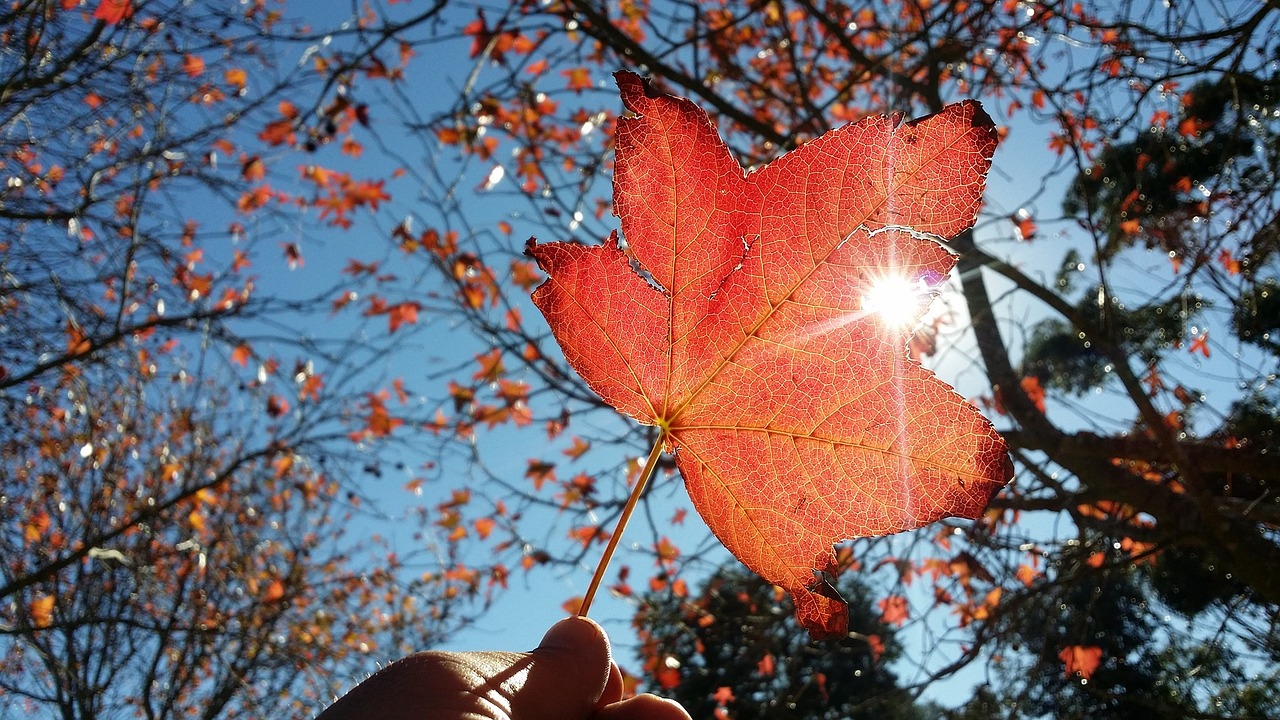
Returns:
<point x="627" y="509"/>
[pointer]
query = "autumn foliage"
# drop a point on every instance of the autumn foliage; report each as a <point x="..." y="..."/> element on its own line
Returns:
<point x="178" y="469"/>
<point x="277" y="402"/>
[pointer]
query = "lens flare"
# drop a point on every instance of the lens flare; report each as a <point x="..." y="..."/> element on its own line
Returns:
<point x="896" y="301"/>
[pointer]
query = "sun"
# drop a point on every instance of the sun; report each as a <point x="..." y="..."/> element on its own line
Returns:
<point x="896" y="301"/>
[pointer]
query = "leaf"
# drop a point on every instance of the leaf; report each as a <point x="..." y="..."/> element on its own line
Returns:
<point x="1081" y="660"/>
<point x="274" y="592"/>
<point x="42" y="611"/>
<point x="1025" y="225"/>
<point x="193" y="65"/>
<point x="540" y="472"/>
<point x="795" y="417"/>
<point x="765" y="666"/>
<point x="894" y="610"/>
<point x="400" y="314"/>
<point x="236" y="77"/>
<point x="579" y="448"/>
<point x="1200" y="344"/>
<point x="877" y="647"/>
<point x="579" y="79"/>
<point x="113" y="11"/>
<point x="379" y="423"/>
<point x="253" y="169"/>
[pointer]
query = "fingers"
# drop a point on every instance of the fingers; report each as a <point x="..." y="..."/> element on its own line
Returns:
<point x="434" y="684"/>
<point x="575" y="659"/>
<point x="568" y="674"/>
<point x="612" y="688"/>
<point x="642" y="707"/>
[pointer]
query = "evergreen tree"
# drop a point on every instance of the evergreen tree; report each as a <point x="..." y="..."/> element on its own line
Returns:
<point x="734" y="649"/>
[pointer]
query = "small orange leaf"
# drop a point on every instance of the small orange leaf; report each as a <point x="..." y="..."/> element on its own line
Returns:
<point x="405" y="313"/>
<point x="765" y="666"/>
<point x="540" y="472"/>
<point x="579" y="79"/>
<point x="277" y="406"/>
<point x="193" y="65"/>
<point x="282" y="465"/>
<point x="1034" y="390"/>
<point x="379" y="423"/>
<point x="42" y="611"/>
<point x="1081" y="660"/>
<point x="524" y="274"/>
<point x="491" y="367"/>
<point x="36" y="527"/>
<point x="1027" y="574"/>
<point x="253" y="169"/>
<point x="1025" y="224"/>
<point x="274" y="592"/>
<point x="77" y="342"/>
<point x="894" y="610"/>
<point x="1200" y="344"/>
<point x="1228" y="262"/>
<point x="236" y="77"/>
<point x="877" y="647"/>
<point x="578" y="449"/>
<point x="589" y="534"/>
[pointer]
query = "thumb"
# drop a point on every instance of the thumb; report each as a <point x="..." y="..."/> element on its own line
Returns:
<point x="567" y="673"/>
<point x="642" y="707"/>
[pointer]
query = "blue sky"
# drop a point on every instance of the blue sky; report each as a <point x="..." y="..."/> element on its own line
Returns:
<point x="1019" y="181"/>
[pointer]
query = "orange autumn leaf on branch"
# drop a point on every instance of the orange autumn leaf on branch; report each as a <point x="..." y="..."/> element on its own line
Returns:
<point x="795" y="416"/>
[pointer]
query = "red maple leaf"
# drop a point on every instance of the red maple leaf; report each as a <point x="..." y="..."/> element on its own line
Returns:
<point x="794" y="414"/>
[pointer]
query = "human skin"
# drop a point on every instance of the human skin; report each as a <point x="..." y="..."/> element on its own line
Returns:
<point x="570" y="676"/>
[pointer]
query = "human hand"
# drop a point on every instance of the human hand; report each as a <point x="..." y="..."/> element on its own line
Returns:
<point x="570" y="676"/>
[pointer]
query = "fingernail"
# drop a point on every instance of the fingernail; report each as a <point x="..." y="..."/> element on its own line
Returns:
<point x="573" y="632"/>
